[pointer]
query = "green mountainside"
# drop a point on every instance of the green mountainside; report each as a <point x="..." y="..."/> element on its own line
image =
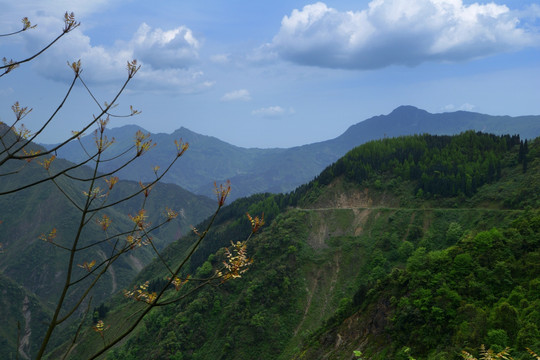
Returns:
<point x="422" y="246"/>
<point x="32" y="271"/>
<point x="261" y="170"/>
<point x="22" y="313"/>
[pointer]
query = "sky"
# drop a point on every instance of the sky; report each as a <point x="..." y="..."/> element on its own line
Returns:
<point x="271" y="73"/>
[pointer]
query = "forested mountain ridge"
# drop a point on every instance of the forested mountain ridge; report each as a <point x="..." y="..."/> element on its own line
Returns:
<point x="479" y="287"/>
<point x="365" y="257"/>
<point x="261" y="170"/>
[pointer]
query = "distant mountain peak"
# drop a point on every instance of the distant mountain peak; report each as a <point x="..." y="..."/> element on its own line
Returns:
<point x="183" y="131"/>
<point x="407" y="110"/>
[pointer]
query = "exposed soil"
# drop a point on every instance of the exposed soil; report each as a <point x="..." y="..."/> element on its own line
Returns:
<point x="111" y="271"/>
<point x="333" y="280"/>
<point x="408" y="227"/>
<point x="135" y="262"/>
<point x="310" y="291"/>
<point x="318" y="233"/>
<point x="339" y="194"/>
<point x="360" y="217"/>
<point x="24" y="344"/>
<point x="354" y="333"/>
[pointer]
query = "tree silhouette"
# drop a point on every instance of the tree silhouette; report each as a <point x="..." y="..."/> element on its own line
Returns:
<point x="94" y="204"/>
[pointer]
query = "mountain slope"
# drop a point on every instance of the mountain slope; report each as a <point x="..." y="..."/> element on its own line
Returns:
<point x="332" y="245"/>
<point x="35" y="211"/>
<point x="35" y="269"/>
<point x="480" y="288"/>
<point x="22" y="313"/>
<point x="281" y="170"/>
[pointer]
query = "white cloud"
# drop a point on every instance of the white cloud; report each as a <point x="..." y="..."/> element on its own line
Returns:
<point x="184" y="81"/>
<point x="169" y="49"/>
<point x="467" y="107"/>
<point x="464" y="107"/>
<point x="166" y="57"/>
<point x="399" y="32"/>
<point x="241" y="95"/>
<point x="448" y="108"/>
<point x="99" y="64"/>
<point x="272" y="112"/>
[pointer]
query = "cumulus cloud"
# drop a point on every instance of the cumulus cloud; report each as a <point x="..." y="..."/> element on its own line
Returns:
<point x="237" y="95"/>
<point x="272" y="112"/>
<point x="99" y="64"/>
<point x="398" y="32"/>
<point x="165" y="49"/>
<point x="166" y="57"/>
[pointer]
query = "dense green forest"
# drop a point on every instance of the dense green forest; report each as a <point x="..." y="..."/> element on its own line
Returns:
<point x="482" y="290"/>
<point x="443" y="166"/>
<point x="417" y="246"/>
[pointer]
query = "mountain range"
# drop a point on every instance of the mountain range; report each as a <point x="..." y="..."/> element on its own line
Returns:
<point x="416" y="247"/>
<point x="283" y="169"/>
<point x="336" y="252"/>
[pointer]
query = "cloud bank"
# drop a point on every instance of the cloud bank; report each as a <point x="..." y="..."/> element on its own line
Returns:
<point x="398" y="32"/>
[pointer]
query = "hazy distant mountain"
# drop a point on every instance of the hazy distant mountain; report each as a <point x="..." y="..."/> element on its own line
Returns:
<point x="28" y="213"/>
<point x="406" y="120"/>
<point x="280" y="170"/>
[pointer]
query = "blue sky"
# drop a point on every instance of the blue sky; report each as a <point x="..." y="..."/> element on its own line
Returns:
<point x="274" y="73"/>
